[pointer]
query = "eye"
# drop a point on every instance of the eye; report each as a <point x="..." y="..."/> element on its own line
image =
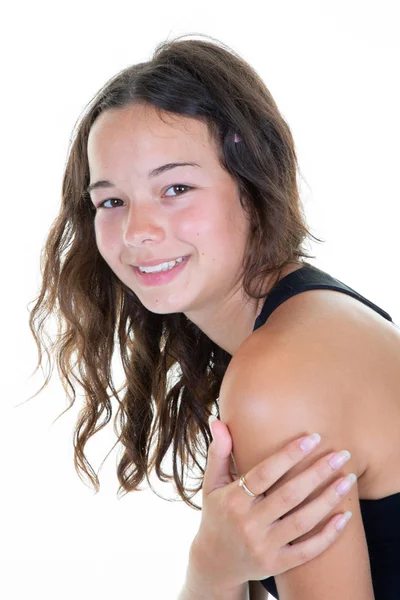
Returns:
<point x="103" y="204"/>
<point x="178" y="185"/>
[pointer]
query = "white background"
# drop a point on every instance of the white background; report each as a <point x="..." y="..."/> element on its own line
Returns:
<point x="333" y="69"/>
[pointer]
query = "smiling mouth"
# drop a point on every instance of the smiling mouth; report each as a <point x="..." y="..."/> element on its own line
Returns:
<point x="154" y="263"/>
<point x="162" y="276"/>
<point x="172" y="263"/>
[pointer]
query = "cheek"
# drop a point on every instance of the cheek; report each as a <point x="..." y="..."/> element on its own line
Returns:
<point x="218" y="231"/>
<point x="106" y="240"/>
<point x="197" y="229"/>
<point x="202" y="224"/>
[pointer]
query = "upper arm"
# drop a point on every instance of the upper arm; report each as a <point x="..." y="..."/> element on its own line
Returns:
<point x="268" y="400"/>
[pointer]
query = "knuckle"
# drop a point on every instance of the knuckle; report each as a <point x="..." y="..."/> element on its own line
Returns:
<point x="267" y="558"/>
<point x="330" y="537"/>
<point x="263" y="471"/>
<point x="304" y="554"/>
<point x="251" y="541"/>
<point x="257" y="551"/>
<point x="322" y="471"/>
<point x="245" y="530"/>
<point x="333" y="498"/>
<point x="230" y="506"/>
<point x="289" y="495"/>
<point x="294" y="452"/>
<point x="299" y="523"/>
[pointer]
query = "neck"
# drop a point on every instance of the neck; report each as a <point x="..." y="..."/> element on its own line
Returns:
<point x="232" y="322"/>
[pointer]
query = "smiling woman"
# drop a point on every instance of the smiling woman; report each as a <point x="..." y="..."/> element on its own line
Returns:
<point x="151" y="226"/>
<point x="180" y="233"/>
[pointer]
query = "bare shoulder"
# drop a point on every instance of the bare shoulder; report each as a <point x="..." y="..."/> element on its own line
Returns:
<point x="324" y="354"/>
<point x="328" y="325"/>
<point x="311" y="357"/>
<point x="296" y="372"/>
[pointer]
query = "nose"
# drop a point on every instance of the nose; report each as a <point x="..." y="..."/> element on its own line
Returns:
<point x="144" y="223"/>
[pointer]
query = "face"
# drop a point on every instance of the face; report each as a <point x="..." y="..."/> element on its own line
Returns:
<point x="191" y="211"/>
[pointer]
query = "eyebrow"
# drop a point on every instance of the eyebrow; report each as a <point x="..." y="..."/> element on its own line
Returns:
<point x="105" y="183"/>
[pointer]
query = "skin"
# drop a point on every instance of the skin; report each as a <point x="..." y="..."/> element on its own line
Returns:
<point x="151" y="220"/>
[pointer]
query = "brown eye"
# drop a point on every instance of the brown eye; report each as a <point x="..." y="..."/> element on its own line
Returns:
<point x="103" y="204"/>
<point x="178" y="185"/>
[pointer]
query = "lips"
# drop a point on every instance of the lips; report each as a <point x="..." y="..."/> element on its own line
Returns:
<point x="172" y="264"/>
<point x="160" y="277"/>
<point x="158" y="261"/>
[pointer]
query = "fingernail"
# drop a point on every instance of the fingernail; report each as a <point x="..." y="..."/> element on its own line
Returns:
<point x="310" y="442"/>
<point x="345" y="485"/>
<point x="339" y="459"/>
<point x="342" y="522"/>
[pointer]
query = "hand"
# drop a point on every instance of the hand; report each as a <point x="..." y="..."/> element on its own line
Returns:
<point x="243" y="538"/>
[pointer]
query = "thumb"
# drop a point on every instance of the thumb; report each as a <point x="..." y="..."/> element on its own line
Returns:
<point x="217" y="473"/>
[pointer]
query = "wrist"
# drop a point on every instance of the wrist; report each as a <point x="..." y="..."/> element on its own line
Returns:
<point x="200" y="584"/>
<point x="192" y="591"/>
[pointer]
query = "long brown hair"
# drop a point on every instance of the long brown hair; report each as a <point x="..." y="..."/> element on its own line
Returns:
<point x="173" y="370"/>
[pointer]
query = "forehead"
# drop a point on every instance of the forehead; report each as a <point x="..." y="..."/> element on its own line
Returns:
<point x="143" y="129"/>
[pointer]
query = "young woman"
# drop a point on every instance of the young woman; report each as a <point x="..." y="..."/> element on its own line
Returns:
<point x="180" y="239"/>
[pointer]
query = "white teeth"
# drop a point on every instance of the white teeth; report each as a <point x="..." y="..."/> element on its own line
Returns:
<point x="162" y="267"/>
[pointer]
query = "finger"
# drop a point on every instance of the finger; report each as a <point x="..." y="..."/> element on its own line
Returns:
<point x="292" y="493"/>
<point x="217" y="473"/>
<point x="298" y="554"/>
<point x="306" y="518"/>
<point x="261" y="477"/>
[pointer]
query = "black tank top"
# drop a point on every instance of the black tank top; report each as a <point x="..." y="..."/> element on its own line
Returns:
<point x="381" y="518"/>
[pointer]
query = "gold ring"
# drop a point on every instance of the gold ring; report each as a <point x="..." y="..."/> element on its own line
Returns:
<point x="242" y="483"/>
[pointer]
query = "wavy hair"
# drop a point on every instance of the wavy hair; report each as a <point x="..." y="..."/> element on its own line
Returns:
<point x="172" y="370"/>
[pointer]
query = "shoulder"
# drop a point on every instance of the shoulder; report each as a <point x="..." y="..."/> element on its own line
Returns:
<point x="318" y="327"/>
<point x="304" y="371"/>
